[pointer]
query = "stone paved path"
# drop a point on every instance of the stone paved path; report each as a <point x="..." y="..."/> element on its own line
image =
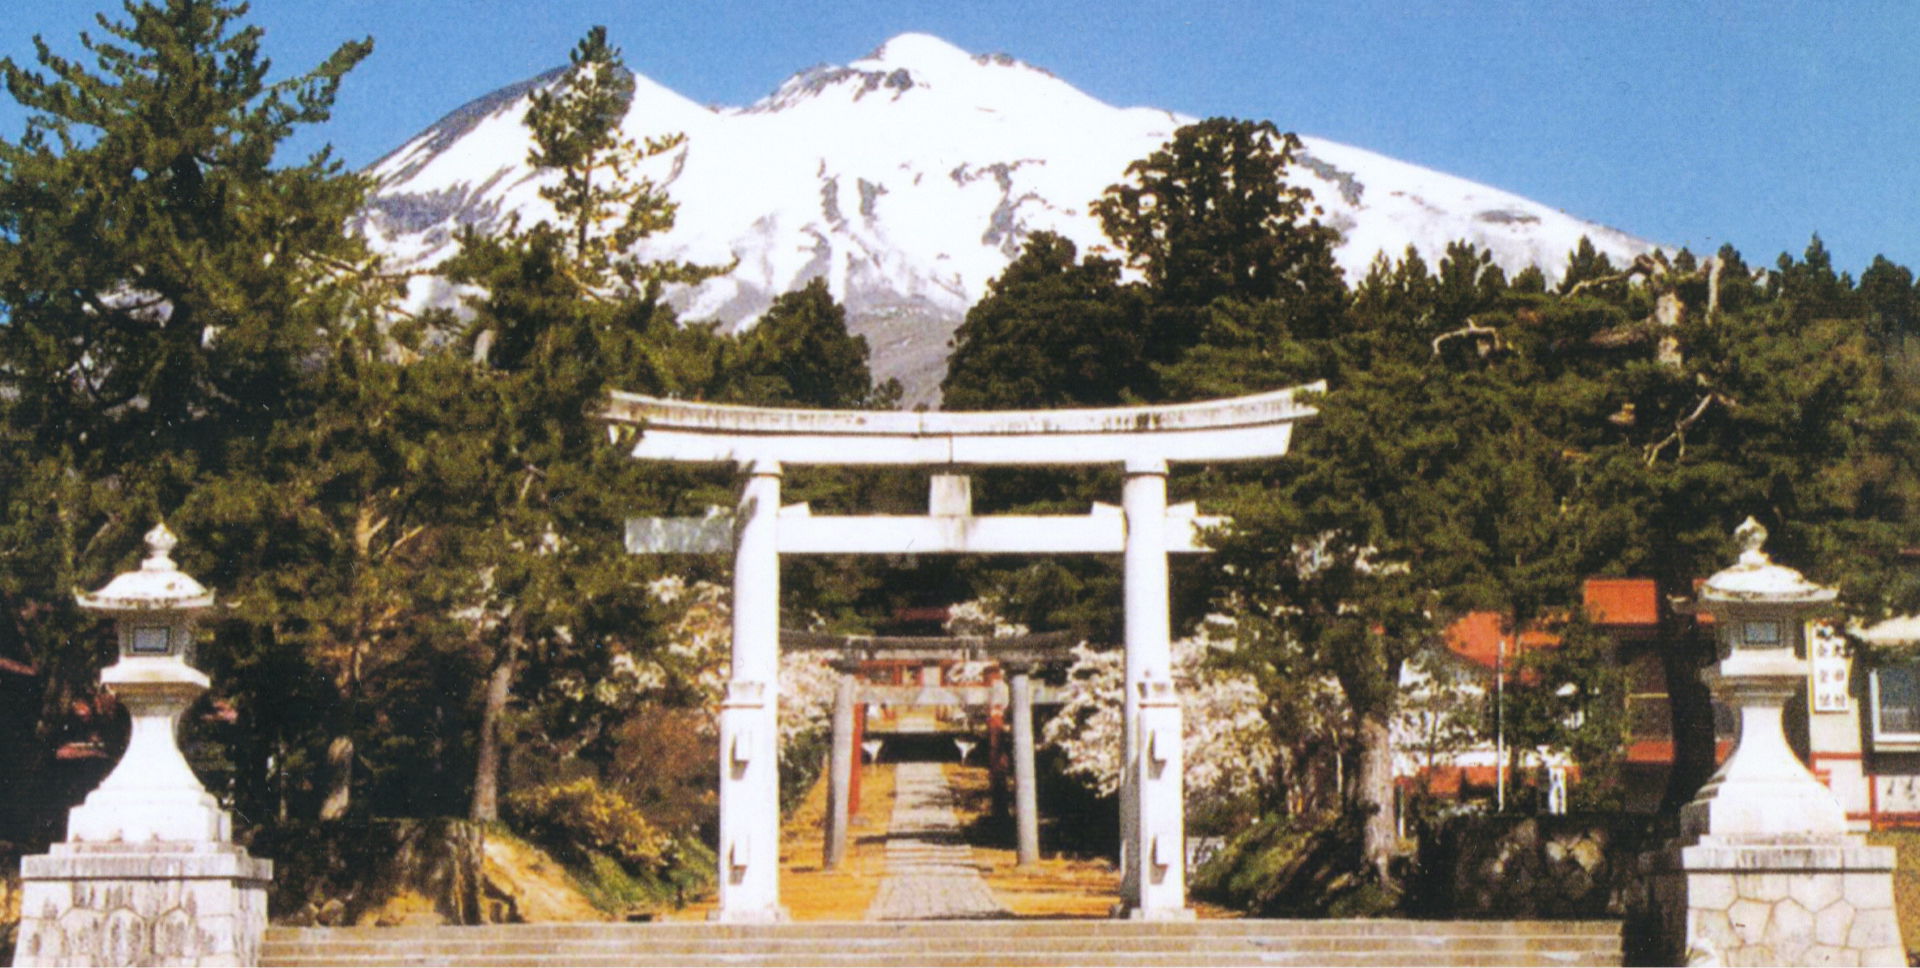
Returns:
<point x="931" y="874"/>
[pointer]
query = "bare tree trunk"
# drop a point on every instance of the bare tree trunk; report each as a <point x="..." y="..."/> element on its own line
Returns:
<point x="1373" y="789"/>
<point x="340" y="752"/>
<point x="486" y="771"/>
<point x="339" y="778"/>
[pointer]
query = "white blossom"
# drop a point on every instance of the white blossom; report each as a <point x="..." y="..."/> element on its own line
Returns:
<point x="981" y="617"/>
<point x="699" y="649"/>
<point x="1229" y="748"/>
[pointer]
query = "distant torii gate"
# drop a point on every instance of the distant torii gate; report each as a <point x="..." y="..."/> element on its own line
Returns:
<point x="1143" y="530"/>
<point x="1017" y="656"/>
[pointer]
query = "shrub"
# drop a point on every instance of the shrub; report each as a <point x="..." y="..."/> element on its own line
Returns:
<point x="580" y="818"/>
<point x="1297" y="867"/>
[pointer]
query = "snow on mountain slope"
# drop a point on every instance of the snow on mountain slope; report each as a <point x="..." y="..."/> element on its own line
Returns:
<point x="908" y="179"/>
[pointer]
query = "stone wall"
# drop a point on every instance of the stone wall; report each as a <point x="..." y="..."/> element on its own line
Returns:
<point x="1554" y="867"/>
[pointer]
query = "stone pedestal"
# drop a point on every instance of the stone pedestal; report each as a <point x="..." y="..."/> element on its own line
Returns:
<point x="1768" y="874"/>
<point x="1734" y="902"/>
<point x="156" y="903"/>
<point x="147" y="875"/>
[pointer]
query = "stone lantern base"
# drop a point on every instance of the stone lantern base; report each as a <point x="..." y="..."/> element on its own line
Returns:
<point x="1741" y="901"/>
<point x="153" y="903"/>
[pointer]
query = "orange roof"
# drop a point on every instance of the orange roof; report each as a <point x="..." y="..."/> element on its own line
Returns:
<point x="1622" y="601"/>
<point x="1476" y="637"/>
<point x="1536" y="639"/>
<point x="1660" y="751"/>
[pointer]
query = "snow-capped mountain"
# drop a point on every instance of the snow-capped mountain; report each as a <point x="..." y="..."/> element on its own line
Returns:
<point x="908" y="179"/>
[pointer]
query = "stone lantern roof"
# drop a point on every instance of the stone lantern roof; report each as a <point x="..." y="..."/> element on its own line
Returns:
<point x="1755" y="579"/>
<point x="157" y="586"/>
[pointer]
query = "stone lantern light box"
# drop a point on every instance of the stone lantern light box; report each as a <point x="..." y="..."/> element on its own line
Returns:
<point x="155" y="606"/>
<point x="1758" y="606"/>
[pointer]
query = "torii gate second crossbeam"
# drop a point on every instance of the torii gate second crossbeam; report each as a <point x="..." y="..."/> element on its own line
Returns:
<point x="1143" y="530"/>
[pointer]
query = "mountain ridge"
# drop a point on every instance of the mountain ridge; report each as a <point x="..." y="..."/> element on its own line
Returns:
<point x="908" y="179"/>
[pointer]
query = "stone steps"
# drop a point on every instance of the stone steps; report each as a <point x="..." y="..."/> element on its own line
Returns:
<point x="1239" y="942"/>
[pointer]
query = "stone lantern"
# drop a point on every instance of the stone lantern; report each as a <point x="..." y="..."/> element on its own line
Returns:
<point x="1764" y="871"/>
<point x="151" y="794"/>
<point x="148" y="873"/>
<point x="1760" y="613"/>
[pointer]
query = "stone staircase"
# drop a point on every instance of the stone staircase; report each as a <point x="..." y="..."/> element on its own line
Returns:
<point x="984" y="942"/>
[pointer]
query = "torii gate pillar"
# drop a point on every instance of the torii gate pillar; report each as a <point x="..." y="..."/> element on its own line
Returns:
<point x="1152" y="809"/>
<point x="749" y="861"/>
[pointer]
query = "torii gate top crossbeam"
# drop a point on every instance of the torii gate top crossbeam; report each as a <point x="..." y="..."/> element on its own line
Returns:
<point x="1241" y="428"/>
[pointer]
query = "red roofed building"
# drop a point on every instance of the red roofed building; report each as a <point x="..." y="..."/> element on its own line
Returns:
<point x="1631" y="612"/>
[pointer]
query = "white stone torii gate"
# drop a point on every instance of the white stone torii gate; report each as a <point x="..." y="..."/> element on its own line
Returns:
<point x="1143" y="530"/>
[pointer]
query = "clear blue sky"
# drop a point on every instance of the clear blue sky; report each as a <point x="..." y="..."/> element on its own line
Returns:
<point x="1685" y="122"/>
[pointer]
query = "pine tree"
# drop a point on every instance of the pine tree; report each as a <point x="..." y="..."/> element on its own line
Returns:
<point x="1888" y="294"/>
<point x="163" y="282"/>
<point x="1585" y="264"/>
<point x="164" y="286"/>
<point x="1050" y="332"/>
<point x="565" y="312"/>
<point x="1210" y="214"/>
<point x="604" y="205"/>
<point x="799" y="354"/>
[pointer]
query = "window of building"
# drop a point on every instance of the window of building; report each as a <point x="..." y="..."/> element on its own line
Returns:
<point x="1896" y="706"/>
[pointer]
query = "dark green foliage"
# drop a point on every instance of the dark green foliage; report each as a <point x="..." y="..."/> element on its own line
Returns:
<point x="163" y="284"/>
<point x="800" y="355"/>
<point x="1584" y="265"/>
<point x="1239" y="286"/>
<point x="1051" y="332"/>
<point x="1572" y="697"/>
<point x="1209" y="215"/>
<point x="166" y="292"/>
<point x="1887" y="293"/>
